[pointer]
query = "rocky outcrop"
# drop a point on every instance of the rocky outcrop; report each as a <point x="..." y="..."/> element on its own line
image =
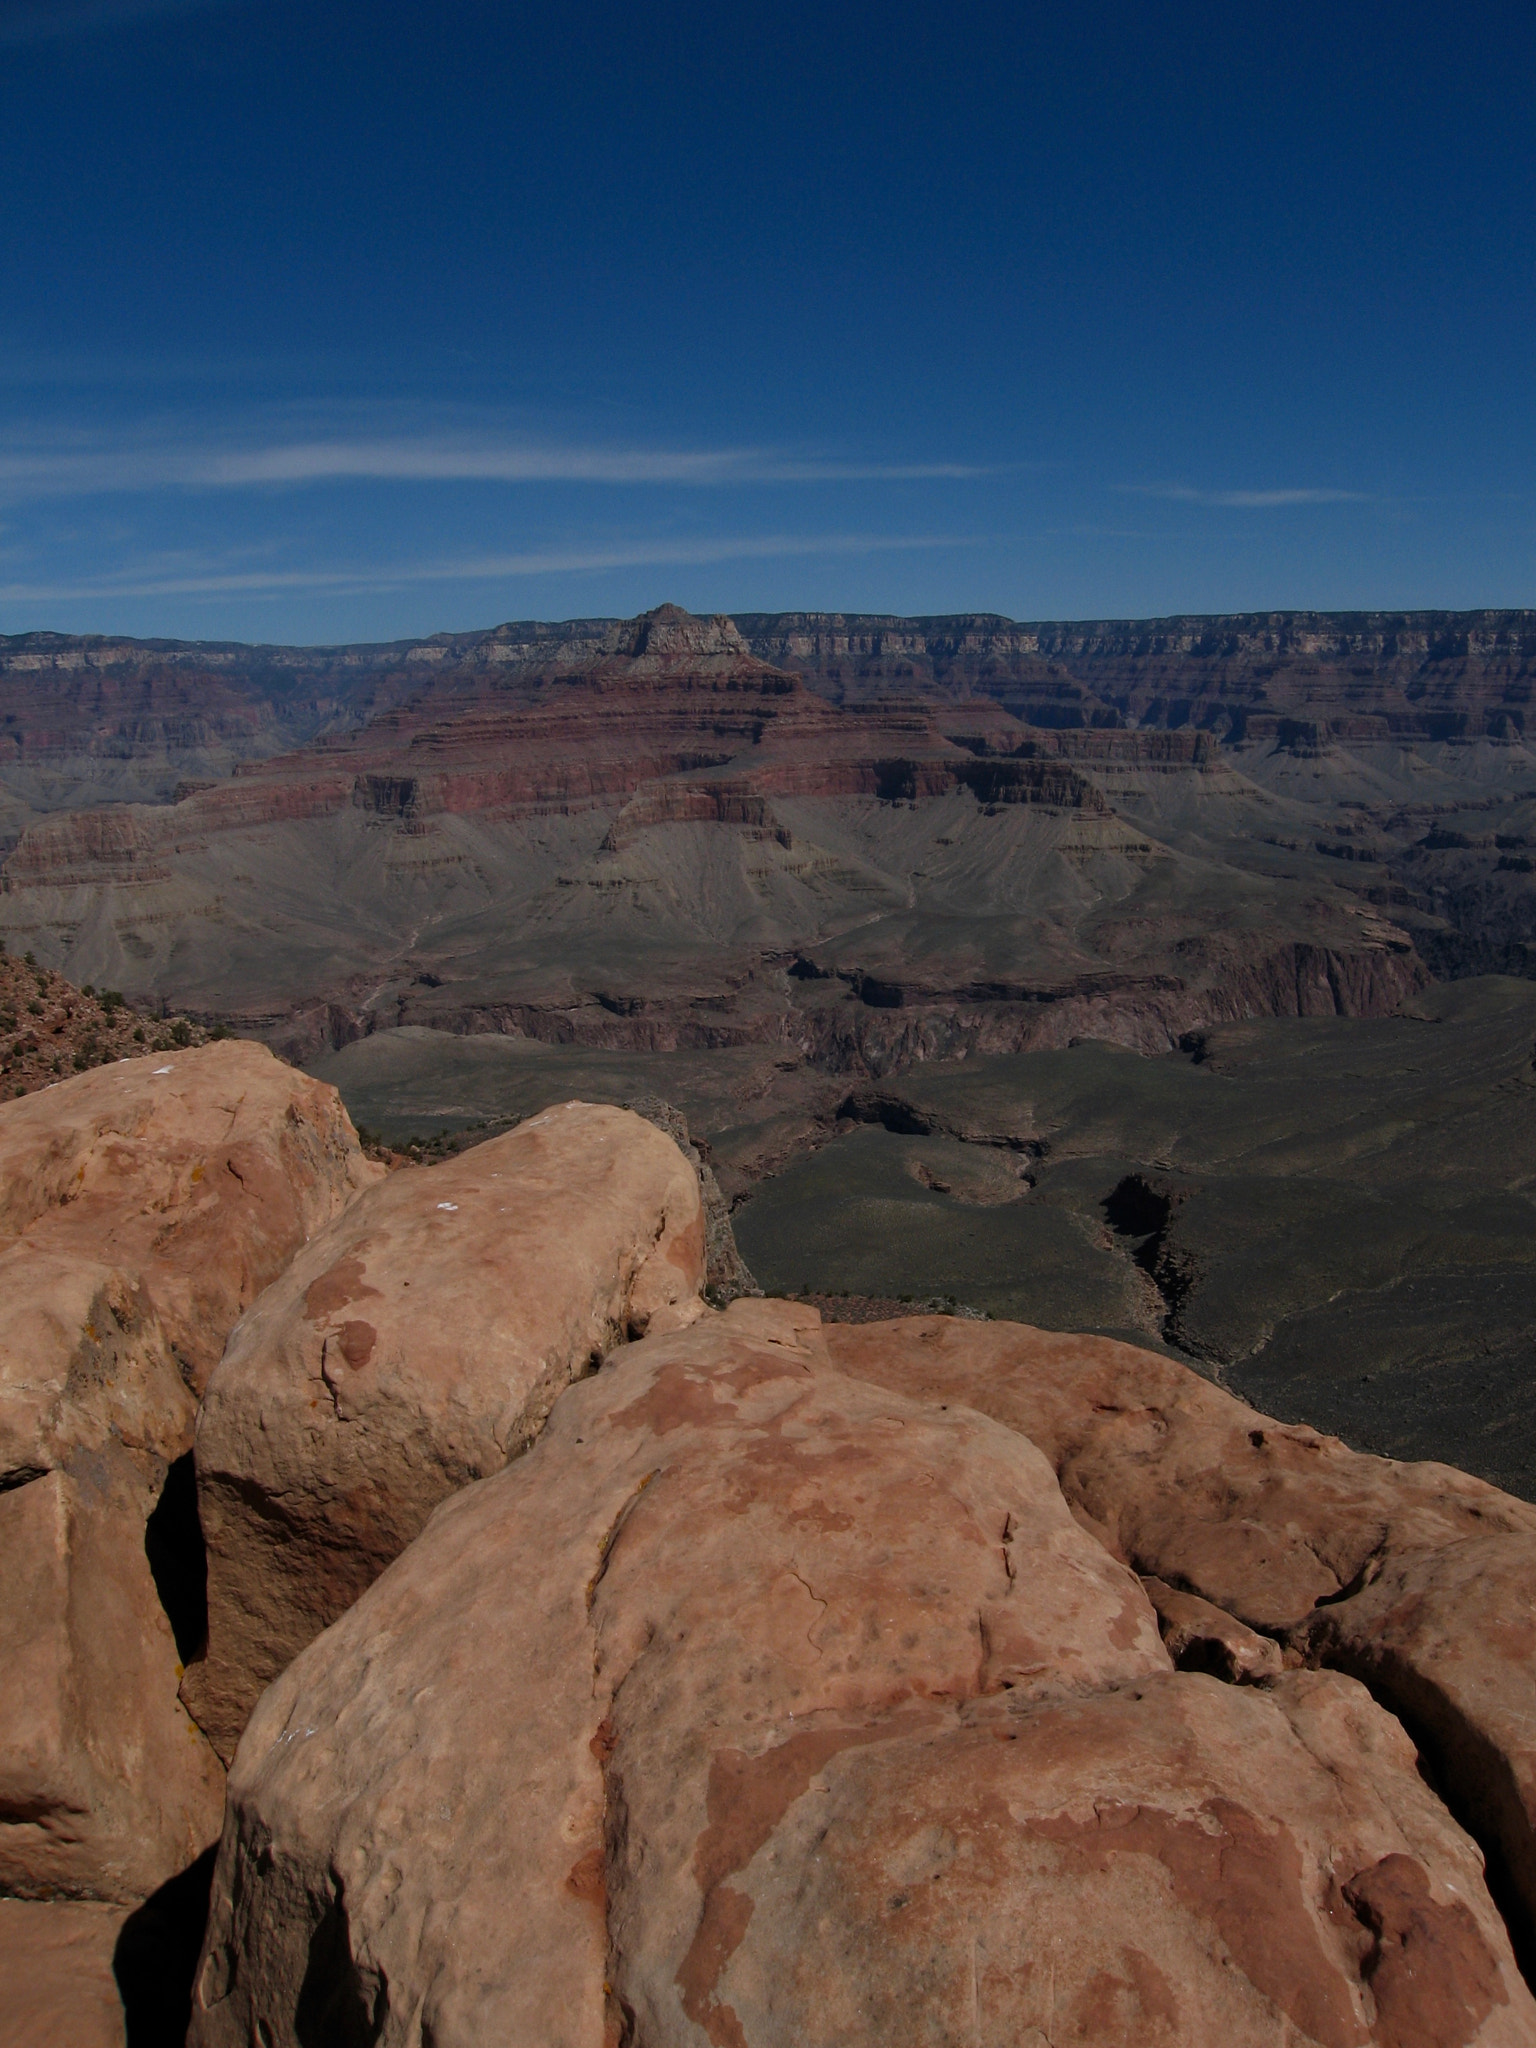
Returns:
<point x="822" y="1721"/>
<point x="50" y="1030"/>
<point x="1368" y="674"/>
<point x="694" y="803"/>
<point x="1446" y="1635"/>
<point x="414" y="1346"/>
<point x="702" y="1598"/>
<point x="1416" y="1578"/>
<point x="142" y="1207"/>
<point x="925" y="1680"/>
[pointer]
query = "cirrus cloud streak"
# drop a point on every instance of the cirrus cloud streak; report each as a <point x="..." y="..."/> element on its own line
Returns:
<point x="68" y="468"/>
<point x="215" y="582"/>
<point x="1247" y="500"/>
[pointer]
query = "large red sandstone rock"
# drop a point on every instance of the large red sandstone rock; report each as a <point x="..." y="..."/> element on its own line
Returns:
<point x="56" y="1983"/>
<point x="414" y="1346"/>
<point x="715" y="1531"/>
<point x="1263" y="1518"/>
<point x="1415" y="1577"/>
<point x="759" y="1705"/>
<point x="142" y="1206"/>
<point x="1165" y="1866"/>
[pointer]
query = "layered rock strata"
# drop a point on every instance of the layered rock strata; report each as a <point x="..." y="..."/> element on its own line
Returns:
<point x="415" y="1345"/>
<point x="649" y="837"/>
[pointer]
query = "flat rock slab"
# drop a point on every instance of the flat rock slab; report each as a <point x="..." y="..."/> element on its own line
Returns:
<point x="414" y="1346"/>
<point x="56" y="1984"/>
<point x="770" y="1707"/>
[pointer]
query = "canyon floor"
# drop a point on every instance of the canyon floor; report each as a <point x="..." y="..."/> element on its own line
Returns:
<point x="1332" y="1216"/>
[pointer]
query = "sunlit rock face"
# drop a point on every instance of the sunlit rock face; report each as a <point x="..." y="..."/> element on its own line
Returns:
<point x="145" y="1205"/>
<point x="415" y="1345"/>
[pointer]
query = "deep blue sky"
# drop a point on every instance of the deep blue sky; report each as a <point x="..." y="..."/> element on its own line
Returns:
<point x="333" y="320"/>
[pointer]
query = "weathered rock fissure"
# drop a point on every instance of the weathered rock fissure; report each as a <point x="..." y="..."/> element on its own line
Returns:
<point x="1140" y="1208"/>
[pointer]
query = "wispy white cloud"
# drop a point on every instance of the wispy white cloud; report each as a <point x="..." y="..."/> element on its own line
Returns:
<point x="40" y="21"/>
<point x="75" y="467"/>
<point x="1255" y="500"/>
<point x="226" y="582"/>
<point x="426" y="459"/>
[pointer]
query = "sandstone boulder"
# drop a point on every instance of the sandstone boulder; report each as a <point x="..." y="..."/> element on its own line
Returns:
<point x="1262" y="1518"/>
<point x="56" y="1983"/>
<point x="1417" y="1578"/>
<point x="106" y="1787"/>
<point x="759" y="1705"/>
<point x="142" y="1206"/>
<point x="414" y="1346"/>
<point x="1166" y="1866"/>
<point x="715" y="1545"/>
